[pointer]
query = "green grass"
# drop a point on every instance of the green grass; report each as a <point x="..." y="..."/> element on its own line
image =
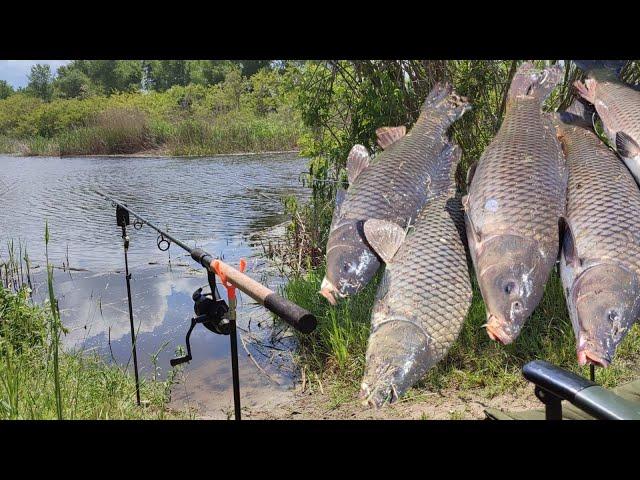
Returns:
<point x="79" y="386"/>
<point x="336" y="350"/>
<point x="233" y="132"/>
<point x="40" y="380"/>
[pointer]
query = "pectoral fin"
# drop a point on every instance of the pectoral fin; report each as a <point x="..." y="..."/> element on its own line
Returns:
<point x="626" y="146"/>
<point x="568" y="244"/>
<point x="389" y="135"/>
<point x="384" y="237"/>
<point x="357" y="161"/>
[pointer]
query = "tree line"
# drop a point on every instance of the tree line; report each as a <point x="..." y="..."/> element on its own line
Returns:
<point x="83" y="78"/>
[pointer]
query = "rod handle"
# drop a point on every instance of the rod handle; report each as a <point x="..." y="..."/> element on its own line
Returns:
<point x="294" y="315"/>
<point x="179" y="360"/>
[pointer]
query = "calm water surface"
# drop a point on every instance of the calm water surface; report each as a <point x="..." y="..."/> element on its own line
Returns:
<point x="230" y="206"/>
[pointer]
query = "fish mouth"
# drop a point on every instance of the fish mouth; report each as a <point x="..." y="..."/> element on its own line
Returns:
<point x="329" y="291"/>
<point x="496" y="332"/>
<point x="377" y="396"/>
<point x="588" y="357"/>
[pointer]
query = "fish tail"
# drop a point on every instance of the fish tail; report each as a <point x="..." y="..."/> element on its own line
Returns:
<point x="443" y="170"/>
<point x="530" y="82"/>
<point x="614" y="66"/>
<point x="578" y="113"/>
<point x="443" y="98"/>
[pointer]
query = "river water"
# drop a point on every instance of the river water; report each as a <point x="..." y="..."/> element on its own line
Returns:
<point x="229" y="205"/>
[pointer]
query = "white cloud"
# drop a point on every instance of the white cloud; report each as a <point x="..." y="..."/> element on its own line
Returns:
<point x="15" y="71"/>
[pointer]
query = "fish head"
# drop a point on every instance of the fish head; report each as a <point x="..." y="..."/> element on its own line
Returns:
<point x="398" y="355"/>
<point x="511" y="275"/>
<point x="606" y="306"/>
<point x="351" y="263"/>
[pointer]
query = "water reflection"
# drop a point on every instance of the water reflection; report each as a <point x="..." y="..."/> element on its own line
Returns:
<point x="215" y="203"/>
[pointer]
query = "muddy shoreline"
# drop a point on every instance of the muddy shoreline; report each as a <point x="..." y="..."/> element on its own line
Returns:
<point x="294" y="404"/>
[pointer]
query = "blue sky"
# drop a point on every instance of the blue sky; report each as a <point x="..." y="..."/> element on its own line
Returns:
<point x="15" y="71"/>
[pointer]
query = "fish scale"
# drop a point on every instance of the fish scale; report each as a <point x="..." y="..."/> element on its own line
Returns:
<point x="600" y="263"/>
<point x="515" y="202"/>
<point x="425" y="288"/>
<point x="429" y="278"/>
<point x="603" y="203"/>
<point x="619" y="107"/>
<point x="393" y="187"/>
<point x="519" y="178"/>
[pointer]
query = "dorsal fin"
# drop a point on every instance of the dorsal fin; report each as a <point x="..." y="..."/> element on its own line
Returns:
<point x="341" y="193"/>
<point x="471" y="172"/>
<point x="389" y="135"/>
<point x="357" y="161"/>
<point x="385" y="237"/>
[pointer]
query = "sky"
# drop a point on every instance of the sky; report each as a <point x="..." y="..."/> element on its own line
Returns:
<point x="15" y="71"/>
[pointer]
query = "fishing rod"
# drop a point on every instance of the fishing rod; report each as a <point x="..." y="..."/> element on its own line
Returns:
<point x="210" y="309"/>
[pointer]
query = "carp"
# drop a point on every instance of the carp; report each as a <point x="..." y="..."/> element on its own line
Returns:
<point x="515" y="202"/>
<point x="600" y="257"/>
<point x="393" y="187"/>
<point x="425" y="292"/>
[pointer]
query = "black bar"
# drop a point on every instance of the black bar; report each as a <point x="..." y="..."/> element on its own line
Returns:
<point x="561" y="382"/>
<point x="233" y="338"/>
<point x="552" y="404"/>
<point x="552" y="381"/>
<point x="125" y="238"/>
<point x="293" y="314"/>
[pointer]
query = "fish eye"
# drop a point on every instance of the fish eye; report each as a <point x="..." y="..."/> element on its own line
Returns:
<point x="613" y="316"/>
<point x="509" y="287"/>
<point x="346" y="266"/>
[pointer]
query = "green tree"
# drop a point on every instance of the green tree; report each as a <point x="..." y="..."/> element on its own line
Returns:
<point x="250" y="67"/>
<point x="108" y="76"/>
<point x="41" y="82"/>
<point x="73" y="84"/>
<point x="164" y="74"/>
<point x="5" y="89"/>
<point x="209" y="72"/>
<point x="233" y="87"/>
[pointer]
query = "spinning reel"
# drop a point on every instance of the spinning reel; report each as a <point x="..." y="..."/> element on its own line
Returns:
<point x="211" y="311"/>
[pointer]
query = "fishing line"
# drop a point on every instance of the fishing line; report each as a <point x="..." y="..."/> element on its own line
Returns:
<point x="209" y="308"/>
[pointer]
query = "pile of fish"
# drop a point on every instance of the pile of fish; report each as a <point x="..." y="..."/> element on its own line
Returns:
<point x="546" y="187"/>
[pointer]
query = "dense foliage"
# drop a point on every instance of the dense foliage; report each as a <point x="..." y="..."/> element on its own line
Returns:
<point x="185" y="108"/>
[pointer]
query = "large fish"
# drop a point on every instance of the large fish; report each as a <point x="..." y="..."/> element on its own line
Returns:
<point x="516" y="198"/>
<point x="425" y="292"/>
<point x="618" y="106"/>
<point x="600" y="260"/>
<point x="394" y="188"/>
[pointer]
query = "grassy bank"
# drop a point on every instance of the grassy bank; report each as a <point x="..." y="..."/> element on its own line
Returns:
<point x="335" y="352"/>
<point x="189" y="120"/>
<point x="39" y="380"/>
